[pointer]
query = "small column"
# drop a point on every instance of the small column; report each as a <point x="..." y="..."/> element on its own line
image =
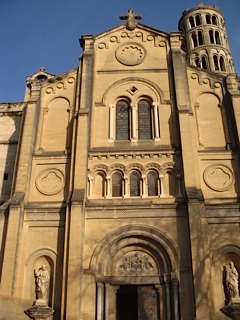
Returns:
<point x="45" y="112"/>
<point x="134" y="122"/>
<point x="161" y="186"/>
<point x="99" y="301"/>
<point x="175" y="296"/>
<point x="107" y="285"/>
<point x="108" y="187"/>
<point x="168" y="301"/>
<point x="126" y="187"/>
<point x="196" y="106"/>
<point x="156" y="122"/>
<point x="144" y="194"/>
<point x="111" y="122"/>
<point x="90" y="181"/>
<point x="179" y="182"/>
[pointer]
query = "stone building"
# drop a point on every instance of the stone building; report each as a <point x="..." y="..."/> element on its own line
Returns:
<point x="121" y="176"/>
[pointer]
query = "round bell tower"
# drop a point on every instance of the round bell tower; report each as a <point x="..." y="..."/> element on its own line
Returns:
<point x="206" y="42"/>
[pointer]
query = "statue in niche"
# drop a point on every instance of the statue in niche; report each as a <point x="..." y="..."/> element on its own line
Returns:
<point x="232" y="281"/>
<point x="41" y="282"/>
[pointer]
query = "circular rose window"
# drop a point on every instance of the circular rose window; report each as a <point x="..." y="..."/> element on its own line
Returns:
<point x="130" y="54"/>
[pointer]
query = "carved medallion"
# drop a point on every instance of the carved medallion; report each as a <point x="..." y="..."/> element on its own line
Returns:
<point x="50" y="181"/>
<point x="137" y="263"/>
<point x="218" y="177"/>
<point x="130" y="54"/>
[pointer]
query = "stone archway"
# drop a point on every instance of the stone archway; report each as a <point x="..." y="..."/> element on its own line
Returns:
<point x="141" y="262"/>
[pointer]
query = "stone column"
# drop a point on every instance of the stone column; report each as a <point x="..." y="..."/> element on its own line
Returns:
<point x="125" y="187"/>
<point x="156" y="122"/>
<point x="179" y="182"/>
<point x="99" y="301"/>
<point x="161" y="186"/>
<point x="111" y="122"/>
<point x="175" y="296"/>
<point x="134" y="122"/>
<point x="108" y="195"/>
<point x="107" y="285"/>
<point x="90" y="181"/>
<point x="168" y="298"/>
<point x="144" y="187"/>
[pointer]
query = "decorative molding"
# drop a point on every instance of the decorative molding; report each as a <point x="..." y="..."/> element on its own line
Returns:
<point x="222" y="213"/>
<point x="50" y="181"/>
<point x="97" y="214"/>
<point x="45" y="216"/>
<point x="218" y="177"/>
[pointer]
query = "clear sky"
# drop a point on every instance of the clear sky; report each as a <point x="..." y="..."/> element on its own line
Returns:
<point x="46" y="33"/>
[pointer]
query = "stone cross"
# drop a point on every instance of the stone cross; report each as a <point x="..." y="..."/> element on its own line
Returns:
<point x="131" y="18"/>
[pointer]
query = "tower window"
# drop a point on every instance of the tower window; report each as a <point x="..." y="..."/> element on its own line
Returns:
<point x="222" y="64"/>
<point x="204" y="63"/>
<point x="217" y="37"/>
<point x="198" y="20"/>
<point x="208" y="19"/>
<point x="200" y="38"/>
<point x="191" y="21"/>
<point x="211" y="37"/>
<point x="5" y="176"/>
<point x="214" y="20"/>
<point x="194" y="39"/>
<point x="215" y="60"/>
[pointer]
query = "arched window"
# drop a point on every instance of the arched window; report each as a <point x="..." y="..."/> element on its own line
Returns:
<point x="208" y="19"/>
<point x="194" y="39"/>
<point x="191" y="21"/>
<point x="222" y="64"/>
<point x="200" y="38"/>
<point x="122" y="120"/>
<point x="169" y="184"/>
<point x="217" y="37"/>
<point x="211" y="36"/>
<point x="214" y="20"/>
<point x="198" y="20"/>
<point x="99" y="185"/>
<point x="135" y="184"/>
<point x="204" y="62"/>
<point x="117" y="184"/>
<point x="215" y="60"/>
<point x="152" y="181"/>
<point x="144" y="120"/>
<point x="197" y="62"/>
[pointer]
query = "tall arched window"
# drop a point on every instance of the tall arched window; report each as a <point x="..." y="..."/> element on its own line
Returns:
<point x="169" y="184"/>
<point x="135" y="184"/>
<point x="211" y="36"/>
<point x="222" y="64"/>
<point x="191" y="21"/>
<point x="200" y="38"/>
<point x="194" y="39"/>
<point x="208" y="19"/>
<point x="152" y="181"/>
<point x="122" y="120"/>
<point x="117" y="184"/>
<point x="214" y="20"/>
<point x="217" y="37"/>
<point x="198" y="20"/>
<point x="215" y="60"/>
<point x="204" y="62"/>
<point x="144" y="120"/>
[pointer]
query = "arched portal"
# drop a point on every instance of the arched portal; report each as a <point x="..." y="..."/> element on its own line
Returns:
<point x="138" y="264"/>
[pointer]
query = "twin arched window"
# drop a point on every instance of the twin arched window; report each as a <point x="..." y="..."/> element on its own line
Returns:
<point x="127" y="122"/>
<point x="219" y="63"/>
<point x="211" y="19"/>
<point x="197" y="39"/>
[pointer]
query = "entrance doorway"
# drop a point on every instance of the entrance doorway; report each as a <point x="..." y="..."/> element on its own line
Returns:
<point x="137" y="303"/>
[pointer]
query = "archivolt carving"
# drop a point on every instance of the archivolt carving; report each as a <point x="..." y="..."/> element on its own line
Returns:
<point x="134" y="166"/>
<point x="49" y="252"/>
<point x="228" y="248"/>
<point x="152" y="165"/>
<point x="116" y="166"/>
<point x="98" y="167"/>
<point x="155" y="242"/>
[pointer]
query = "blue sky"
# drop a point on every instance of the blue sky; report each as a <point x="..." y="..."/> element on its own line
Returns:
<point x="46" y="33"/>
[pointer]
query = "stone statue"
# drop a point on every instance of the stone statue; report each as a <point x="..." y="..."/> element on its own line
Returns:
<point x="232" y="281"/>
<point x="41" y="282"/>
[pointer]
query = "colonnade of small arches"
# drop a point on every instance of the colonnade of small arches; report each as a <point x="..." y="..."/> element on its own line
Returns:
<point x="134" y="180"/>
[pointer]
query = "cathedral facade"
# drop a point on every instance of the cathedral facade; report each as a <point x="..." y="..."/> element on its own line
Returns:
<point x="120" y="179"/>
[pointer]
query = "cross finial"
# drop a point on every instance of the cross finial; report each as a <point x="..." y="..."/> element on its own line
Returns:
<point x="131" y="18"/>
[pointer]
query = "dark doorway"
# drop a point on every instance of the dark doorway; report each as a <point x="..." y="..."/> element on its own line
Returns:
<point x="137" y="303"/>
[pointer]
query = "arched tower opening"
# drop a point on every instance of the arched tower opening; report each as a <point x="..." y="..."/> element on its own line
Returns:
<point x="204" y="28"/>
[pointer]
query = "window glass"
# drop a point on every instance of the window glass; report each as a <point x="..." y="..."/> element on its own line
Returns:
<point x="135" y="184"/>
<point x="122" y="120"/>
<point x="117" y="179"/>
<point x="152" y="179"/>
<point x="144" y="120"/>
